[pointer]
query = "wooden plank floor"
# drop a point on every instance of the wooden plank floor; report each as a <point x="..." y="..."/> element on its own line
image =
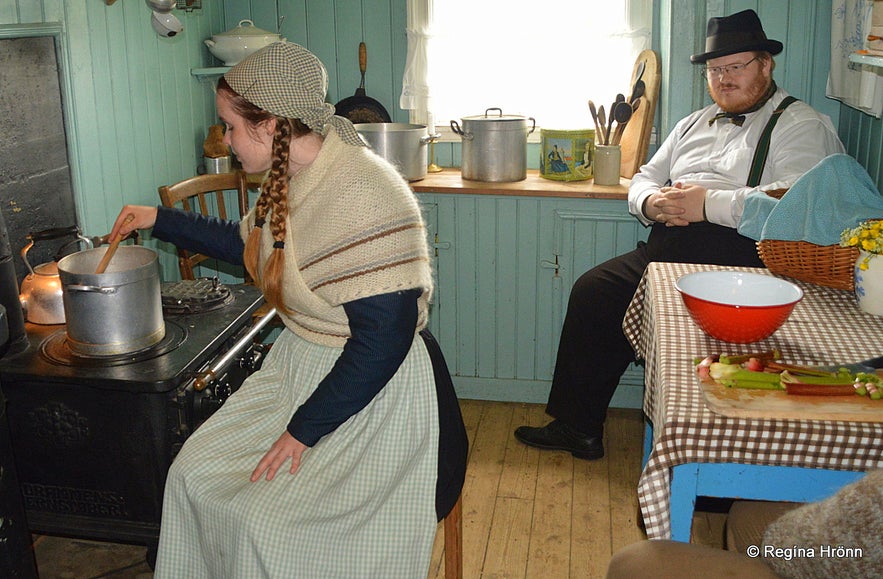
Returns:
<point x="526" y="513"/>
<point x="529" y="513"/>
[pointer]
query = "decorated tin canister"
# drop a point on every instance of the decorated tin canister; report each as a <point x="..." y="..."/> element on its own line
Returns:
<point x="566" y="155"/>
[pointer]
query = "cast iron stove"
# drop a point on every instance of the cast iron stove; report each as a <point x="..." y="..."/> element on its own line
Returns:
<point x="93" y="437"/>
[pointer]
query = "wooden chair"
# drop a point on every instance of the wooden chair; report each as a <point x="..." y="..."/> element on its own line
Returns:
<point x="636" y="137"/>
<point x="193" y="194"/>
<point x="453" y="529"/>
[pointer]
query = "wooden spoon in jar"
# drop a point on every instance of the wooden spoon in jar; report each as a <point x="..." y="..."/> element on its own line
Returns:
<point x="112" y="248"/>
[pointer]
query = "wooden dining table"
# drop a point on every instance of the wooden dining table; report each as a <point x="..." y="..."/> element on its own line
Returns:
<point x="762" y="446"/>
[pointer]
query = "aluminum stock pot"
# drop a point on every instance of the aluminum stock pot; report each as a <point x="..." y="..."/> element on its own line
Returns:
<point x="402" y="144"/>
<point x="494" y="146"/>
<point x="115" y="312"/>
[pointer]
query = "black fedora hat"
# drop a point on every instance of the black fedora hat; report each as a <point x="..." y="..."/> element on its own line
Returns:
<point x="739" y="32"/>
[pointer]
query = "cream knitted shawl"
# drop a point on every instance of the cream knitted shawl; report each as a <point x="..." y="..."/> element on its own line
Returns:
<point x="354" y="230"/>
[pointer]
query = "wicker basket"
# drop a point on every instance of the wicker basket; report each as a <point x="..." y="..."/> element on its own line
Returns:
<point x="827" y="265"/>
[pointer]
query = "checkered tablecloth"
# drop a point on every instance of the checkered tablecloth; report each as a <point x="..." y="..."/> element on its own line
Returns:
<point x="825" y="328"/>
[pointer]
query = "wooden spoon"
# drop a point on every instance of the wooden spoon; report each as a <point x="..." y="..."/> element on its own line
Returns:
<point x="602" y="118"/>
<point x="622" y="113"/>
<point x="619" y="98"/>
<point x="638" y="90"/>
<point x="594" y="112"/>
<point x="112" y="248"/>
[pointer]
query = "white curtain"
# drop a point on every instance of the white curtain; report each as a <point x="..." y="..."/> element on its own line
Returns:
<point x="416" y="95"/>
<point x="553" y="79"/>
<point x="857" y="85"/>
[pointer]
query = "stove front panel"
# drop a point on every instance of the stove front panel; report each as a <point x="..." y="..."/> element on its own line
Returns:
<point x="92" y="446"/>
<point x="92" y="463"/>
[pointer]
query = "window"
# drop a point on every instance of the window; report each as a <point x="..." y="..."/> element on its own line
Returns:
<point x="539" y="59"/>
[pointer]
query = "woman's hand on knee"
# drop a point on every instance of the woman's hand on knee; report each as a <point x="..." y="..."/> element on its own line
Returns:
<point x="285" y="447"/>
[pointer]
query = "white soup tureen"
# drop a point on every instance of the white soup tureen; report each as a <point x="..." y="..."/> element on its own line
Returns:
<point x="237" y="43"/>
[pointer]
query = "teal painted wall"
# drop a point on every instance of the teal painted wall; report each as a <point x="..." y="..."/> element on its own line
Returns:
<point x="136" y="117"/>
<point x="803" y="26"/>
<point x="863" y="136"/>
<point x="332" y="30"/>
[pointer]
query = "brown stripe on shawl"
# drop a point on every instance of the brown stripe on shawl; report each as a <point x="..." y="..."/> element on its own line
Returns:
<point x="368" y="239"/>
<point x="367" y="271"/>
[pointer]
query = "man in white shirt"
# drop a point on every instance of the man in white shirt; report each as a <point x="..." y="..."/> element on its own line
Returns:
<point x="754" y="136"/>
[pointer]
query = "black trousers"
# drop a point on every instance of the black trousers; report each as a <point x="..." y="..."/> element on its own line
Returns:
<point x="593" y="351"/>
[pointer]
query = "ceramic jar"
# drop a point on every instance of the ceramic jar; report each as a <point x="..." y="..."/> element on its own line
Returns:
<point x="607" y="161"/>
<point x="869" y="283"/>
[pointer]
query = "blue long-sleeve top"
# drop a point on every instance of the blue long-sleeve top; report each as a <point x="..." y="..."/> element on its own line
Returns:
<point x="382" y="329"/>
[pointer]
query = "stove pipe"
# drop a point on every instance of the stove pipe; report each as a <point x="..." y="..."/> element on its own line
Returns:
<point x="18" y="339"/>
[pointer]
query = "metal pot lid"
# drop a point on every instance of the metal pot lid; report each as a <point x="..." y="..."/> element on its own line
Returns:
<point x="245" y="28"/>
<point x="488" y="118"/>
<point x="389" y="127"/>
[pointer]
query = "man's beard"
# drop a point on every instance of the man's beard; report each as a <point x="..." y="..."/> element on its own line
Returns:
<point x="741" y="101"/>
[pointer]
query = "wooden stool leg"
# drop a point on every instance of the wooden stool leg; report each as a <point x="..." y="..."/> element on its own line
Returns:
<point x="454" y="542"/>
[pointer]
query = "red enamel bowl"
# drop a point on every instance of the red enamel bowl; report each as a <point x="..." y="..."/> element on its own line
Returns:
<point x="735" y="306"/>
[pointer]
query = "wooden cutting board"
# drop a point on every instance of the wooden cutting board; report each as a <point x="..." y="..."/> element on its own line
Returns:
<point x="745" y="403"/>
<point x="635" y="140"/>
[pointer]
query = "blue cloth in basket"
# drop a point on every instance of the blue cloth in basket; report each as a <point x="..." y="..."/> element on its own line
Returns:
<point x="834" y="195"/>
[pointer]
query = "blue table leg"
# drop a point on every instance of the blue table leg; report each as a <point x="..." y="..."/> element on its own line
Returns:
<point x="648" y="441"/>
<point x="684" y="482"/>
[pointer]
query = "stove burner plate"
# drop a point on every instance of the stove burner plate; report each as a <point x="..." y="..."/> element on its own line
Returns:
<point x="194" y="296"/>
<point x="56" y="349"/>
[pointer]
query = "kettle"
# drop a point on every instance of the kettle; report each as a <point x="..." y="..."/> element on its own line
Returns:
<point x="41" y="294"/>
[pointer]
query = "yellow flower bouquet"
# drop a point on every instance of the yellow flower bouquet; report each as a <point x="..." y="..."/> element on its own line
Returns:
<point x="867" y="237"/>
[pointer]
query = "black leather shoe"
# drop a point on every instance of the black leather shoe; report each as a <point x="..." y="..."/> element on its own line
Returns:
<point x="558" y="436"/>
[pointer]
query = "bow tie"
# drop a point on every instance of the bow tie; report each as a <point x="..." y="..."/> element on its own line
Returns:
<point x="732" y="117"/>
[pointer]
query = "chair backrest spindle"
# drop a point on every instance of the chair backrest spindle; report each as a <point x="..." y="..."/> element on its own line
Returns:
<point x="193" y="195"/>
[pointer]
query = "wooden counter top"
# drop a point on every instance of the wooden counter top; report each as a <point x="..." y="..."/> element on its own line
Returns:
<point x="450" y="181"/>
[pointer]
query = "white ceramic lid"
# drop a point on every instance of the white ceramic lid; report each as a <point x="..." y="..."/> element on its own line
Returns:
<point x="246" y="28"/>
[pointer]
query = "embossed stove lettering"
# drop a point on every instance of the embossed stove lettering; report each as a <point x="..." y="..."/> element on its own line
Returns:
<point x="72" y="501"/>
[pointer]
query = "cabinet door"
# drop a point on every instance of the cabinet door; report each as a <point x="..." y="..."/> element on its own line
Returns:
<point x="585" y="236"/>
<point x="488" y="249"/>
<point x="504" y="267"/>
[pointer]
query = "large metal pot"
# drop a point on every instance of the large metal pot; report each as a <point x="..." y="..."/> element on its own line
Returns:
<point x="494" y="146"/>
<point x="402" y="144"/>
<point x="115" y="312"/>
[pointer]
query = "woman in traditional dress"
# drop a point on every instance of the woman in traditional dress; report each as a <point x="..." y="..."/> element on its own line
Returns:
<point x="338" y="457"/>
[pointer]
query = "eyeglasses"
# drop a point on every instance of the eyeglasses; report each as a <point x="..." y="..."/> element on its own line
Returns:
<point x="738" y="69"/>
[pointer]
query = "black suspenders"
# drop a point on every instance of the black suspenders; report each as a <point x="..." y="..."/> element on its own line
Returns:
<point x="763" y="145"/>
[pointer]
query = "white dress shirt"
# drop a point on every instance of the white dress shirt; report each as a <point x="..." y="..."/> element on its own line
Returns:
<point x="718" y="157"/>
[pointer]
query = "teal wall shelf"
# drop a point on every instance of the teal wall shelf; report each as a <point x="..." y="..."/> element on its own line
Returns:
<point x="209" y="73"/>
<point x="868" y="59"/>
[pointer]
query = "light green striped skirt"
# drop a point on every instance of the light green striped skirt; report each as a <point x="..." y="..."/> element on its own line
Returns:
<point x="362" y="503"/>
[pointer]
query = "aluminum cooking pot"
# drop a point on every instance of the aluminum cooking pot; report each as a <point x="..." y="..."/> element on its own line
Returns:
<point x="494" y="147"/>
<point x="41" y="293"/>
<point x="402" y="144"/>
<point x="116" y="312"/>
